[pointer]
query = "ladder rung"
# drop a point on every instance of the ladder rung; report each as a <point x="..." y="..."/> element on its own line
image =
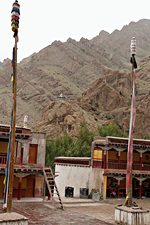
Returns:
<point x="48" y="174"/>
<point x="50" y="181"/>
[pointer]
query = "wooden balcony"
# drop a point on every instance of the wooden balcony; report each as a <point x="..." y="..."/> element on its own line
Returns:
<point x="115" y="168"/>
<point x="123" y="165"/>
<point x="3" y="158"/>
<point x="18" y="166"/>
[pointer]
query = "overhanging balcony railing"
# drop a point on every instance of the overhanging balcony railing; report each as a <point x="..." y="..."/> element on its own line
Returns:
<point x="18" y="163"/>
<point x="123" y="166"/>
<point x="3" y="159"/>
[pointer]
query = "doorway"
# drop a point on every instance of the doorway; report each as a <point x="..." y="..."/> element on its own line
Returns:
<point x="33" y="153"/>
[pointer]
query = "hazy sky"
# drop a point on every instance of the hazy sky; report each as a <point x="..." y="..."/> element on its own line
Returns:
<point x="44" y="21"/>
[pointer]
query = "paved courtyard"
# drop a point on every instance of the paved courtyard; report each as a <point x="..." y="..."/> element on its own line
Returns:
<point x="76" y="212"/>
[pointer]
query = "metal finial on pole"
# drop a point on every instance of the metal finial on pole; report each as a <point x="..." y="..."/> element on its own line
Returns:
<point x="131" y="128"/>
<point x="15" y="16"/>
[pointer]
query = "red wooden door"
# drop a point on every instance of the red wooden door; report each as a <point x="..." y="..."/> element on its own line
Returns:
<point x="33" y="153"/>
<point x="30" y="192"/>
<point x="2" y="186"/>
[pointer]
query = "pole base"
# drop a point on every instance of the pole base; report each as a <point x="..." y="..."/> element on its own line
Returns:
<point x="131" y="216"/>
<point x="13" y="219"/>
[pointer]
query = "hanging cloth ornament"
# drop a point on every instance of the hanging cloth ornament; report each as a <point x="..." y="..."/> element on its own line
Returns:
<point x="15" y="16"/>
<point x="133" y="53"/>
<point x="133" y="61"/>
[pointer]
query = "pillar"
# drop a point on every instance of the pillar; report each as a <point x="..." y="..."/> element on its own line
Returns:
<point x="105" y="187"/>
<point x="19" y="188"/>
<point x="141" y="155"/>
<point x="21" y="156"/>
<point x="140" y="189"/>
<point x="118" y="188"/>
<point x="105" y="160"/>
<point x="118" y="160"/>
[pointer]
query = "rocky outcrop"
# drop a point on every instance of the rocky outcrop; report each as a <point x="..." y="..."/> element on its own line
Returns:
<point x="65" y="117"/>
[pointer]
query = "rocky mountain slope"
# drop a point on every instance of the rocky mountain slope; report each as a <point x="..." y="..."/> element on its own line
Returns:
<point x="106" y="101"/>
<point x="67" y="84"/>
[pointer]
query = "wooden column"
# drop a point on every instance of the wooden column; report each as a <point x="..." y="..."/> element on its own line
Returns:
<point x="105" y="159"/>
<point x="21" y="155"/>
<point x="105" y="187"/>
<point x="141" y="156"/>
<point x="140" y="189"/>
<point x="118" y="188"/>
<point x="19" y="188"/>
<point x="119" y="160"/>
<point x="140" y="182"/>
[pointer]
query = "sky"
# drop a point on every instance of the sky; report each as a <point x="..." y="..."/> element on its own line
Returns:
<point x="42" y="22"/>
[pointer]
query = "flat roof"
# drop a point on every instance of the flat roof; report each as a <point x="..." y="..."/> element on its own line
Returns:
<point x="20" y="132"/>
<point x="73" y="158"/>
<point x="81" y="161"/>
<point x="110" y="140"/>
<point x="8" y="126"/>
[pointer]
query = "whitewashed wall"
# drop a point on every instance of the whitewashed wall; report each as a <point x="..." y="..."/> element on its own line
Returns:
<point x="77" y="177"/>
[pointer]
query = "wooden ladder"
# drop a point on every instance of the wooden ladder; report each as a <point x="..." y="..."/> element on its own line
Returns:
<point x="51" y="185"/>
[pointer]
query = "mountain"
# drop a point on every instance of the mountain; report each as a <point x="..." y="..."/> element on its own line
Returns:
<point x="117" y="44"/>
<point x="107" y="100"/>
<point x="80" y="82"/>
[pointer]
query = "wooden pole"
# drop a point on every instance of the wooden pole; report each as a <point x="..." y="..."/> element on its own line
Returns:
<point x="11" y="173"/>
<point x="131" y="127"/>
<point x="130" y="144"/>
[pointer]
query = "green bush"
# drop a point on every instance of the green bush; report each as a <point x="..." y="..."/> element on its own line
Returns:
<point x="69" y="146"/>
<point x="110" y="130"/>
<point x="79" y="146"/>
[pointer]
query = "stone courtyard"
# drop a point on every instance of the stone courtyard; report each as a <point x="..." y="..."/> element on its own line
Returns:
<point x="76" y="211"/>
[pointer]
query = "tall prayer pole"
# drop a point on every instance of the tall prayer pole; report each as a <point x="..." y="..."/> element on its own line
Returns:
<point x="131" y="128"/>
<point x="15" y="25"/>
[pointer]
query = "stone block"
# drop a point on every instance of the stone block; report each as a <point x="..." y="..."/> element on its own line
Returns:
<point x="13" y="219"/>
<point x="131" y="216"/>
